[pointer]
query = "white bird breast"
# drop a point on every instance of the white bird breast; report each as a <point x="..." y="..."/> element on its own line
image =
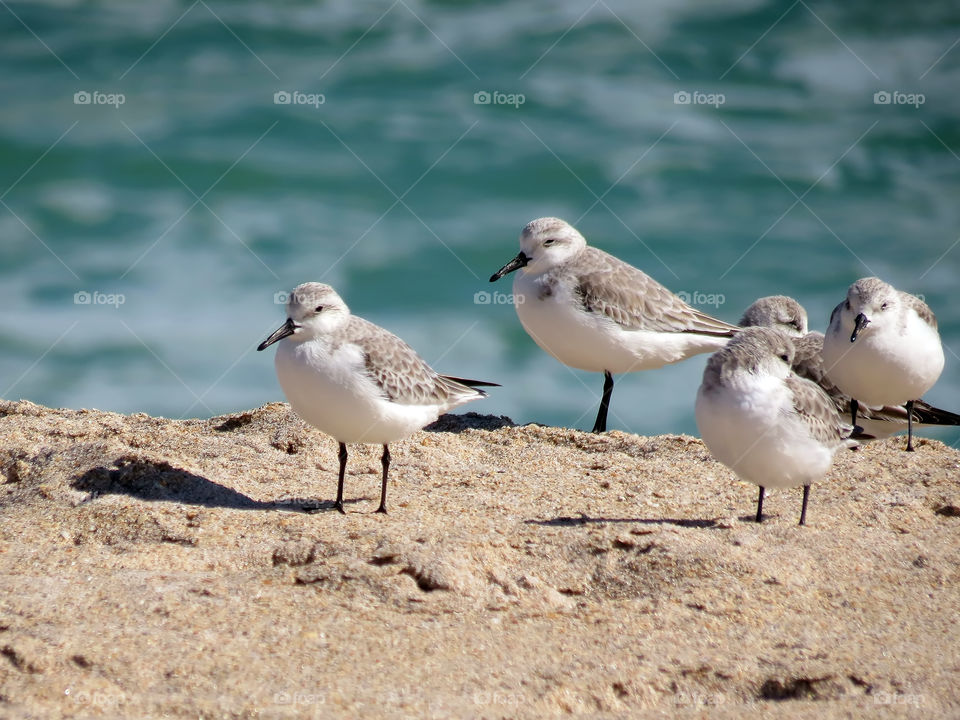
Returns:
<point x="552" y="316"/>
<point x="332" y="392"/>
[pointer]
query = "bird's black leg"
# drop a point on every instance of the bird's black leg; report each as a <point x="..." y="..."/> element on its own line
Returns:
<point x="343" y="469"/>
<point x="909" y="425"/>
<point x="760" y="505"/>
<point x="854" y="407"/>
<point x="601" y="424"/>
<point x="385" y="461"/>
<point x="803" y="508"/>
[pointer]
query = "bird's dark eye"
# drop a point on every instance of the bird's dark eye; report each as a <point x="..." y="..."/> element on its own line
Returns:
<point x="318" y="308"/>
<point x="846" y="304"/>
<point x="884" y="306"/>
<point x="549" y="241"/>
<point x="785" y="357"/>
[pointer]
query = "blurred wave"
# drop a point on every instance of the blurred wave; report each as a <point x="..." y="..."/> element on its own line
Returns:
<point x="198" y="197"/>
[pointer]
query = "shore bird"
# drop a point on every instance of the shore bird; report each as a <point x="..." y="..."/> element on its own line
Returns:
<point x="786" y="314"/>
<point x="594" y="312"/>
<point x="356" y="381"/>
<point x="762" y="420"/>
<point x="882" y="348"/>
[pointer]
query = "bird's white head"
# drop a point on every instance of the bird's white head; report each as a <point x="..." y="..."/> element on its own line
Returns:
<point x="313" y="309"/>
<point x="777" y="311"/>
<point x="545" y="243"/>
<point x="870" y="301"/>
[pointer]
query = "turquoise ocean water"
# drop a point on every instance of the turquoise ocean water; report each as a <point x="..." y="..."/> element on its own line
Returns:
<point x="177" y="164"/>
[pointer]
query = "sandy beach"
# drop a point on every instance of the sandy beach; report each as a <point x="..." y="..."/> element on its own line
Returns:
<point x="160" y="568"/>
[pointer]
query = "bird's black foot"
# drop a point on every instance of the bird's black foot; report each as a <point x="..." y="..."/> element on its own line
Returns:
<point x="339" y="506"/>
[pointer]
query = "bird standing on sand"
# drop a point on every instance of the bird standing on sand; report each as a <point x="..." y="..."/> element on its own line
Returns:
<point x="764" y="422"/>
<point x="786" y="314"/>
<point x="594" y="312"/>
<point x="883" y="348"/>
<point x="356" y="381"/>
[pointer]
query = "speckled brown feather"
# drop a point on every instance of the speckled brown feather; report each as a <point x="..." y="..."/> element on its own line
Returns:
<point x="817" y="409"/>
<point x="635" y="301"/>
<point x="395" y="367"/>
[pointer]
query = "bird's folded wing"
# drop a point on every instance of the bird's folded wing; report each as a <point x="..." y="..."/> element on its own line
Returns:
<point x="395" y="367"/>
<point x="635" y="301"/>
<point x="817" y="410"/>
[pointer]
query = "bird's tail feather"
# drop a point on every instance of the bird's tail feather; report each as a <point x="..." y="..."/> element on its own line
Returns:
<point x="926" y="414"/>
<point x="472" y="384"/>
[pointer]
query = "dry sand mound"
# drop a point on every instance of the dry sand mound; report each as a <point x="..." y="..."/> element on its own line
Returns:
<point x="195" y="569"/>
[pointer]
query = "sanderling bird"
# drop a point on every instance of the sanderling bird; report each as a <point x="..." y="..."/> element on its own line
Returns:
<point x="882" y="348"/>
<point x="594" y="312"/>
<point x="762" y="420"/>
<point x="779" y="312"/>
<point x="787" y="315"/>
<point x="356" y="381"/>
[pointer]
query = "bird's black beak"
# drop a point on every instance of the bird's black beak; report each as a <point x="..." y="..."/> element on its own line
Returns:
<point x="859" y="324"/>
<point x="288" y="328"/>
<point x="518" y="262"/>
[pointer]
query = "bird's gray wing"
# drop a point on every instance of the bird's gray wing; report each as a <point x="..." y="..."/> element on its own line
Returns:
<point x="635" y="301"/>
<point x="817" y="410"/>
<point x="398" y="371"/>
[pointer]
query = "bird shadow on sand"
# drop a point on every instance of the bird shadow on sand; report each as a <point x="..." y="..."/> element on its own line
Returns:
<point x="159" y="481"/>
<point x="469" y="421"/>
<point x="564" y="521"/>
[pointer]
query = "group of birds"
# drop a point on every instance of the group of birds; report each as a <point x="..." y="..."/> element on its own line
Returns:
<point x="774" y="399"/>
